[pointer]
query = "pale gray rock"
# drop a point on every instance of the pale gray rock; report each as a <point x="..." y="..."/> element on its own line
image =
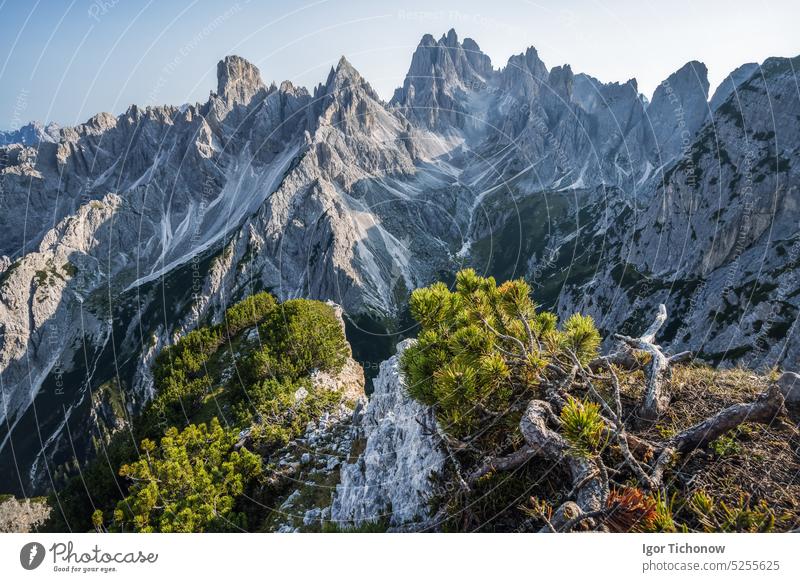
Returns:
<point x="441" y="76"/>
<point x="31" y="134"/>
<point x="678" y="109"/>
<point x="789" y="384"/>
<point x="238" y="81"/>
<point x="393" y="477"/>
<point x="22" y="515"/>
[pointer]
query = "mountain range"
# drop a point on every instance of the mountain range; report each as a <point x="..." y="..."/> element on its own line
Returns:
<point x="119" y="235"/>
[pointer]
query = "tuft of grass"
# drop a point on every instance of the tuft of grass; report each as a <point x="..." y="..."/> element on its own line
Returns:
<point x="582" y="426"/>
<point x="662" y="519"/>
<point x="741" y="516"/>
<point x="725" y="445"/>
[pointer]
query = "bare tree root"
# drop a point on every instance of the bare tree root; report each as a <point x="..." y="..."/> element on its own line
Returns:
<point x="762" y="410"/>
<point x="502" y="464"/>
<point x="587" y="477"/>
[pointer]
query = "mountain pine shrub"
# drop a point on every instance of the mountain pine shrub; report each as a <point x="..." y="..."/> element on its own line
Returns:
<point x="481" y="350"/>
<point x="188" y="482"/>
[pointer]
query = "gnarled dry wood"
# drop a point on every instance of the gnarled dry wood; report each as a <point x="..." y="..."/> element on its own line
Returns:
<point x="615" y="427"/>
<point x="561" y="516"/>
<point x="585" y="474"/>
<point x="656" y="397"/>
<point x="763" y="410"/>
<point x="505" y="463"/>
<point x="581" y="517"/>
<point x="649" y="336"/>
<point x="640" y="447"/>
<point x="622" y="359"/>
<point x="587" y="478"/>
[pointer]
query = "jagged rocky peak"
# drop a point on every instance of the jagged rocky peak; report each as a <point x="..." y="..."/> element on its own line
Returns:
<point x="99" y="123"/>
<point x="288" y="88"/>
<point x="441" y="73"/>
<point x="464" y="62"/>
<point x="561" y="80"/>
<point x="480" y="62"/>
<point x="731" y="82"/>
<point x="679" y="105"/>
<point x="345" y="76"/>
<point x="616" y="111"/>
<point x="557" y="100"/>
<point x="283" y="116"/>
<point x="238" y="80"/>
<point x="524" y="74"/>
<point x="31" y="134"/>
<point x="468" y="53"/>
<point x="593" y="95"/>
<point x="348" y="102"/>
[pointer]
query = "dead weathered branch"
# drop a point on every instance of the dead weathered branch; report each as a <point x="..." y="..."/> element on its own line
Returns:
<point x="680" y="357"/>
<point x="581" y="517"/>
<point x="655" y="399"/>
<point x="556" y="391"/>
<point x="641" y="448"/>
<point x="533" y="341"/>
<point x="564" y="513"/>
<point x="623" y="359"/>
<point x="507" y="337"/>
<point x="656" y="396"/>
<point x="504" y="463"/>
<point x="615" y="427"/>
<point x="762" y="410"/>
<point x="583" y="470"/>
<point x="649" y="336"/>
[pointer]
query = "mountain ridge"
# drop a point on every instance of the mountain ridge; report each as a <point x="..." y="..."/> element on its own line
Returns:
<point x="335" y="194"/>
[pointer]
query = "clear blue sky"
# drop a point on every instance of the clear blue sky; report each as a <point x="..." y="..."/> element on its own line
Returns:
<point x="64" y="60"/>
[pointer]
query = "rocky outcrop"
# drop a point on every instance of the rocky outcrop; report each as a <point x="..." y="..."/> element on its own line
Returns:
<point x="789" y="385"/>
<point x="678" y="109"/>
<point x="392" y="479"/>
<point x="365" y="463"/>
<point x="307" y="469"/>
<point x="238" y="81"/>
<point x="22" y="516"/>
<point x="730" y="84"/>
